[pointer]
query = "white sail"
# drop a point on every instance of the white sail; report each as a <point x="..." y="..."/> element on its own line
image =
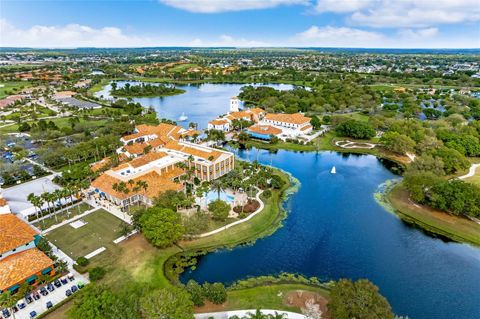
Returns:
<point x="183" y="117"/>
<point x="334" y="170"/>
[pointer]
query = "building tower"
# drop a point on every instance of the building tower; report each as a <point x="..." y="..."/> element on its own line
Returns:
<point x="234" y="104"/>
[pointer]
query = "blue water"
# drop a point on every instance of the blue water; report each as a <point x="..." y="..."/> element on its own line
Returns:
<point x="200" y="103"/>
<point x="336" y="229"/>
<point x="213" y="195"/>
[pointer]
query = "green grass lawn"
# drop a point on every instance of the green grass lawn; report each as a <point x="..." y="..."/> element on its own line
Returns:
<point x="101" y="229"/>
<point x="60" y="122"/>
<point x="10" y="88"/>
<point x="434" y="221"/>
<point x="61" y="216"/>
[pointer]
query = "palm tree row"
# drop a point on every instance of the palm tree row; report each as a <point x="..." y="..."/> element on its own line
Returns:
<point x="131" y="186"/>
<point x="53" y="199"/>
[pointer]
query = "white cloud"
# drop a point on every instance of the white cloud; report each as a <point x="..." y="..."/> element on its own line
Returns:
<point x="329" y="36"/>
<point x="404" y="13"/>
<point x="341" y="6"/>
<point x="215" y="6"/>
<point x="418" y="34"/>
<point x="68" y="36"/>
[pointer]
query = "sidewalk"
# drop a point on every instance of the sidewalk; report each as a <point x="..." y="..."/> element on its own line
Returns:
<point x="242" y="313"/>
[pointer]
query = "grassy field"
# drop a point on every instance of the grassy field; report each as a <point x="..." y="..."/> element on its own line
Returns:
<point x="101" y="229"/>
<point x="60" y="122"/>
<point x="434" y="221"/>
<point x="9" y="88"/>
<point x="63" y="215"/>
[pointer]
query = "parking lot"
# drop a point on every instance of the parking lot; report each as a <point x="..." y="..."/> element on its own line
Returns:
<point x="40" y="306"/>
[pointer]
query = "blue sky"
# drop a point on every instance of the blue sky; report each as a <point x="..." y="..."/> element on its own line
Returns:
<point x="244" y="23"/>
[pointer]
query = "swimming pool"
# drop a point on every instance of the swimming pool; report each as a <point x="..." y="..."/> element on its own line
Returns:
<point x="213" y="195"/>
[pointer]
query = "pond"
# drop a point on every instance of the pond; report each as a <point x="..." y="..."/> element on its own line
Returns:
<point x="200" y="103"/>
<point x="335" y="229"/>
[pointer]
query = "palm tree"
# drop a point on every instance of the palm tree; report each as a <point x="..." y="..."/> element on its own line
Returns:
<point x="7" y="301"/>
<point x="33" y="200"/>
<point x="217" y="186"/>
<point x="257" y="315"/>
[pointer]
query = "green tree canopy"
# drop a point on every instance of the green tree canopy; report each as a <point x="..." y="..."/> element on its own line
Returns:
<point x="167" y="303"/>
<point x="161" y="226"/>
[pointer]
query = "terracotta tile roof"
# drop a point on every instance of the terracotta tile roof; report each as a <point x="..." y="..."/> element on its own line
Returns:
<point x="306" y="127"/>
<point x="194" y="150"/>
<point x="264" y="129"/>
<point x="240" y="115"/>
<point x="64" y="94"/>
<point x="218" y="122"/>
<point x="257" y="111"/>
<point x="191" y="132"/>
<point x="95" y="167"/>
<point x="18" y="267"/>
<point x="296" y="118"/>
<point x="135" y="148"/>
<point x="147" y="158"/>
<point x="157" y="183"/>
<point x="3" y="202"/>
<point x="163" y="130"/>
<point x="14" y="232"/>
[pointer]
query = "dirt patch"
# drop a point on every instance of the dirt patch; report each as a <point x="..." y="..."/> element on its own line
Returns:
<point x="302" y="298"/>
<point x="210" y="307"/>
<point x="251" y="206"/>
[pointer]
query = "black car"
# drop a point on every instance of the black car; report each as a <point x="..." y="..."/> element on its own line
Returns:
<point x="21" y="305"/>
<point x="57" y="283"/>
<point x="68" y="293"/>
<point x="64" y="281"/>
<point x="43" y="291"/>
<point x="14" y="309"/>
<point x="49" y="304"/>
<point x="33" y="314"/>
<point x="36" y="296"/>
<point x="50" y="287"/>
<point x="74" y="288"/>
<point x="28" y="299"/>
<point x="6" y="313"/>
<point x="71" y="277"/>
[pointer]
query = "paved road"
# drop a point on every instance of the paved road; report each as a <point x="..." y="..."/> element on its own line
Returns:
<point x="55" y="297"/>
<point x="471" y="172"/>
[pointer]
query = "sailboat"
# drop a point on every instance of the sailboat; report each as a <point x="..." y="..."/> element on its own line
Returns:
<point x="183" y="117"/>
<point x="334" y="170"/>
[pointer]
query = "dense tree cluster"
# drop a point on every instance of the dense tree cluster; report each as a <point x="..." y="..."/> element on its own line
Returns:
<point x="144" y="89"/>
<point x="355" y="129"/>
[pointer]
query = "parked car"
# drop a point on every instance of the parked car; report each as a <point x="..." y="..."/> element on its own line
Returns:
<point x="21" y="305"/>
<point x="43" y="291"/>
<point x="74" y="288"/>
<point x="57" y="283"/>
<point x="6" y="313"/>
<point x="68" y="293"/>
<point x="14" y="309"/>
<point x="70" y="277"/>
<point x="49" y="304"/>
<point x="64" y="280"/>
<point x="36" y="296"/>
<point x="28" y="299"/>
<point x="33" y="314"/>
<point x="50" y="287"/>
<point x="80" y="285"/>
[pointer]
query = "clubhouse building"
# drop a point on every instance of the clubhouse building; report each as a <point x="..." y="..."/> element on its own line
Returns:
<point x="158" y="156"/>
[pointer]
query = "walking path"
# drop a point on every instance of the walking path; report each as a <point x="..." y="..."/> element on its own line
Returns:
<point x="242" y="313"/>
<point x="216" y="231"/>
<point x="471" y="172"/>
<point x="68" y="221"/>
<point x="349" y="144"/>
<point x="45" y="168"/>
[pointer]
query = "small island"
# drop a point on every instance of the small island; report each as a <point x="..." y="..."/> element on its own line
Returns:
<point x="144" y="90"/>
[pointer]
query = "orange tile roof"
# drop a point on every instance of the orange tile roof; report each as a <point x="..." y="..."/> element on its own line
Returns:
<point x="306" y="127"/>
<point x="239" y="115"/>
<point x="218" y="122"/>
<point x="264" y="129"/>
<point x="14" y="232"/>
<point x="157" y="183"/>
<point x="193" y="150"/>
<point x="18" y="267"/>
<point x="296" y="118"/>
<point x="163" y="130"/>
<point x="257" y="111"/>
<point x="95" y="167"/>
<point x="135" y="148"/>
<point x="3" y="202"/>
<point x="147" y="158"/>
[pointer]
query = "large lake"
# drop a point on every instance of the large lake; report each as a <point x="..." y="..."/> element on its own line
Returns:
<point x="336" y="229"/>
<point x="201" y="103"/>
